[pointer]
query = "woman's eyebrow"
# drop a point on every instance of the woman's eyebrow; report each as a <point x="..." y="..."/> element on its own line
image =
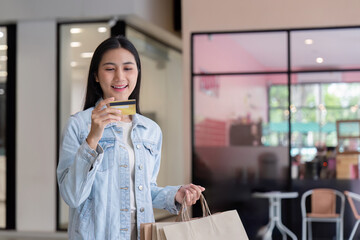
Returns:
<point x="109" y="63"/>
<point x="125" y="63"/>
<point x="114" y="64"/>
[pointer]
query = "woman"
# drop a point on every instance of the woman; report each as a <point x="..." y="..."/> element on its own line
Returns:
<point x="109" y="162"/>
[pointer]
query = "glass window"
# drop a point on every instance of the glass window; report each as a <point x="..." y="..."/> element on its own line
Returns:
<point x="318" y="100"/>
<point x="232" y="122"/>
<point x="235" y="101"/>
<point x="325" y="49"/>
<point x="240" y="52"/>
<point x="162" y="77"/>
<point x="77" y="44"/>
<point x="3" y="79"/>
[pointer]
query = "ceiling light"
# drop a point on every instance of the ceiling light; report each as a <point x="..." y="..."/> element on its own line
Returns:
<point x="3" y="74"/>
<point x="3" y="47"/>
<point x="3" y="58"/>
<point x="309" y="41"/>
<point x="102" y="29"/>
<point x="75" y="44"/>
<point x="319" y="60"/>
<point x="1" y="34"/>
<point x="86" y="54"/>
<point x="75" y="30"/>
<point x="74" y="64"/>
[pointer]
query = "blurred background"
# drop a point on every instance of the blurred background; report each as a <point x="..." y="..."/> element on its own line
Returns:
<point x="251" y="96"/>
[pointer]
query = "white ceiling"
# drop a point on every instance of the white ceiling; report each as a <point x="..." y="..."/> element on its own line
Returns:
<point x="340" y="48"/>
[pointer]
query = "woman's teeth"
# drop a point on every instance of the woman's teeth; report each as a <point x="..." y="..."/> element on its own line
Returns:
<point x="119" y="87"/>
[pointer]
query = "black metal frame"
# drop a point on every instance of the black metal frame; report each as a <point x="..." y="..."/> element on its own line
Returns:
<point x="288" y="72"/>
<point x="10" y="132"/>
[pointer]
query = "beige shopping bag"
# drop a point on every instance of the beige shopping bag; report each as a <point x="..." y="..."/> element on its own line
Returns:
<point x="145" y="231"/>
<point x="226" y="225"/>
<point x="157" y="232"/>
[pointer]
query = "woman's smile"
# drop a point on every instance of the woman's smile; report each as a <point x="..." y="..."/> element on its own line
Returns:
<point x="119" y="88"/>
<point x="117" y="74"/>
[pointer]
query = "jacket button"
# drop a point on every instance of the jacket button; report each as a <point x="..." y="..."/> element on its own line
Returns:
<point x="142" y="209"/>
<point x="138" y="146"/>
<point x="141" y="167"/>
<point x="140" y="187"/>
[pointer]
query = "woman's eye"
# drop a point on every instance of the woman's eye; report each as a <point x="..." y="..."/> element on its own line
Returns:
<point x="128" y="69"/>
<point x="110" y="69"/>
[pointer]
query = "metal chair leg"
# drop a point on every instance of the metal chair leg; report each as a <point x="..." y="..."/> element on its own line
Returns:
<point x="354" y="230"/>
<point x="310" y="230"/>
<point x="304" y="229"/>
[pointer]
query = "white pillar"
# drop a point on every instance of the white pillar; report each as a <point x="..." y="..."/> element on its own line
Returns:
<point x="36" y="126"/>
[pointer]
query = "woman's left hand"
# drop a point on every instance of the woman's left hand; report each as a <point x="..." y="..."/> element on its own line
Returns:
<point x="192" y="193"/>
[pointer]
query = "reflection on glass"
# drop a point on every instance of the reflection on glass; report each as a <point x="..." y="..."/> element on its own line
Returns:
<point x="319" y="100"/>
<point x="77" y="42"/>
<point x="338" y="49"/>
<point x="231" y="112"/>
<point x="240" y="52"/>
<point x="349" y="129"/>
<point x="161" y="100"/>
<point x="236" y="135"/>
<point x="3" y="79"/>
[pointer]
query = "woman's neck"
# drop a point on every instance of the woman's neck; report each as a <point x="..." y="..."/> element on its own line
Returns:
<point x="126" y="118"/>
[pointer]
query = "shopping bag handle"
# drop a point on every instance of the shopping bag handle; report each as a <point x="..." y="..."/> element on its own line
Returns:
<point x="184" y="213"/>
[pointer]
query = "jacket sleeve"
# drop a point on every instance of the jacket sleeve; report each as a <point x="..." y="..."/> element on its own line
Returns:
<point x="77" y="165"/>
<point x="162" y="197"/>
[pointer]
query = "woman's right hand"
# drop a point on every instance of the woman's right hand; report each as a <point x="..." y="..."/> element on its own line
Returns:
<point x="99" y="119"/>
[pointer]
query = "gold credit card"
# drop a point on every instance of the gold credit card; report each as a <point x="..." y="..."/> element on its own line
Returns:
<point x="127" y="107"/>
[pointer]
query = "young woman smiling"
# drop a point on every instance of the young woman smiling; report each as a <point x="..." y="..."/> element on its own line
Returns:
<point x="109" y="162"/>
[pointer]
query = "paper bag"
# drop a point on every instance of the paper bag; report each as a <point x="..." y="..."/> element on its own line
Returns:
<point x="226" y="225"/>
<point x="157" y="231"/>
<point x="145" y="231"/>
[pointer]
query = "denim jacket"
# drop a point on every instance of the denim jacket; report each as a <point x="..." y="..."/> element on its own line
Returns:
<point x="95" y="184"/>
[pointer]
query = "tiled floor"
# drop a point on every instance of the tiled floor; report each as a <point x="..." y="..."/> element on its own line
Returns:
<point x="11" y="235"/>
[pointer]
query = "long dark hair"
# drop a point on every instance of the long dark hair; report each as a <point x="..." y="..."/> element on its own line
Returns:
<point x="93" y="90"/>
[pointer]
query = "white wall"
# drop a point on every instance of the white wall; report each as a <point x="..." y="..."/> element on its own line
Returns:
<point x="36" y="126"/>
<point x="13" y="11"/>
<point x="235" y="15"/>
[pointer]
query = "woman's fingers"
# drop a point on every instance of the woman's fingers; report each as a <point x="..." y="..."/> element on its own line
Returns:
<point x="108" y="113"/>
<point x="192" y="193"/>
<point x="100" y="117"/>
<point x="189" y="194"/>
<point x="103" y="103"/>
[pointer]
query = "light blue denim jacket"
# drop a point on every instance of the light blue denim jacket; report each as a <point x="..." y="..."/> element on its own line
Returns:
<point x="95" y="184"/>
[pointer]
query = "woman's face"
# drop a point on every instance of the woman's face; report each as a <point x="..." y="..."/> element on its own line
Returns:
<point x="117" y="74"/>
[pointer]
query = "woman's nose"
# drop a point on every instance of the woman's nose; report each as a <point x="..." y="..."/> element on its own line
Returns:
<point x="119" y="74"/>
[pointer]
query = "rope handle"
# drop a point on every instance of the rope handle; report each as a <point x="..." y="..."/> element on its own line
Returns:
<point x="184" y="214"/>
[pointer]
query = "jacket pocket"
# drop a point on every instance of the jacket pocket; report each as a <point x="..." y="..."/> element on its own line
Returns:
<point x="151" y="148"/>
<point x="150" y="153"/>
<point x="108" y="159"/>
